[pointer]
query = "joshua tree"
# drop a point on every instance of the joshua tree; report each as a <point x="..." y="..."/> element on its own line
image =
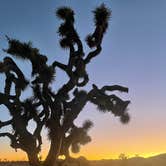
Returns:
<point x="56" y="110"/>
<point x="123" y="159"/>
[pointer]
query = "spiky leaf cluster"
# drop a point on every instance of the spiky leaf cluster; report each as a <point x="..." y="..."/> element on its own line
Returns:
<point x="21" y="49"/>
<point x="66" y="29"/>
<point x="101" y="18"/>
<point x="110" y="103"/>
<point x="65" y="13"/>
<point x="80" y="136"/>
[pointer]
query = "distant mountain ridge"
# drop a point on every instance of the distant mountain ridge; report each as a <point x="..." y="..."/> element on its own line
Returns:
<point x="159" y="160"/>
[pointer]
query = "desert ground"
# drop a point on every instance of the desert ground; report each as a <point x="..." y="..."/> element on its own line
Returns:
<point x="159" y="160"/>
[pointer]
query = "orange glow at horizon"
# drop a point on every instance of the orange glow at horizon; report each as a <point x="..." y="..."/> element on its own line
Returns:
<point x="93" y="152"/>
<point x="20" y="156"/>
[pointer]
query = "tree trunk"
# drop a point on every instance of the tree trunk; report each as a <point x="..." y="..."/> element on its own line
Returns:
<point x="33" y="159"/>
<point x="53" y="152"/>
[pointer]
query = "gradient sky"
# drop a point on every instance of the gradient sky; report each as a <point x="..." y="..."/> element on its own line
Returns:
<point x="134" y="55"/>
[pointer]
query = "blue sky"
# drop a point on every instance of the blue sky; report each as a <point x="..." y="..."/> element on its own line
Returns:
<point x="133" y="55"/>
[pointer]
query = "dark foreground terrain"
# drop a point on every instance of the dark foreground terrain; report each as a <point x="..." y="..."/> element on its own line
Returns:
<point x="159" y="160"/>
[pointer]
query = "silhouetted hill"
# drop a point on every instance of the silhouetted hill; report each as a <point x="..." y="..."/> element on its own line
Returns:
<point x="159" y="160"/>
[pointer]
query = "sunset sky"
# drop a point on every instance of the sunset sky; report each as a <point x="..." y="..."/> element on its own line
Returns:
<point x="134" y="55"/>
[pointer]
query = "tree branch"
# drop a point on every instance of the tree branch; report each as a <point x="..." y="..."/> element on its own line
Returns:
<point x="4" y="99"/>
<point x="12" y="138"/>
<point x="60" y="65"/>
<point x="92" y="54"/>
<point x="6" y="123"/>
<point x="37" y="133"/>
<point x="76" y="106"/>
<point x="107" y="103"/>
<point x="114" y="88"/>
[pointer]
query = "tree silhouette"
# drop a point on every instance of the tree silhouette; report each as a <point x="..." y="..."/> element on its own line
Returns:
<point x="56" y="110"/>
<point x="123" y="159"/>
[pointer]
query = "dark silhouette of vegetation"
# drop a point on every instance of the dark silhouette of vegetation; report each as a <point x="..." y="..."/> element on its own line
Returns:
<point x="56" y="110"/>
<point x="124" y="159"/>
